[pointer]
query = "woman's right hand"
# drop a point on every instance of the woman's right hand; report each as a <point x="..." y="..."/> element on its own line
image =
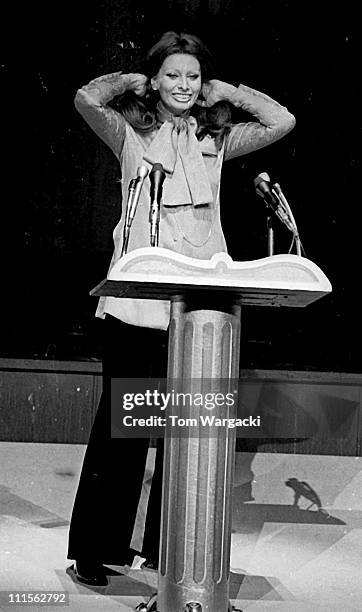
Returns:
<point x="137" y="83"/>
<point x="215" y="91"/>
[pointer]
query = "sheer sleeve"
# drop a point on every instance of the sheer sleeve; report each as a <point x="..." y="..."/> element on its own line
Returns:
<point x="91" y="101"/>
<point x="273" y="121"/>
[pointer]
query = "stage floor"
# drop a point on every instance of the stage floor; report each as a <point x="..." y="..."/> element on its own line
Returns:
<point x="284" y="558"/>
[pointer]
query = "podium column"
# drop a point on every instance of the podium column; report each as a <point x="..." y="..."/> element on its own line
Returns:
<point x="204" y="344"/>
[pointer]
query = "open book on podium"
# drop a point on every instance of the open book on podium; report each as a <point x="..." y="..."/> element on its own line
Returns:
<point x="157" y="273"/>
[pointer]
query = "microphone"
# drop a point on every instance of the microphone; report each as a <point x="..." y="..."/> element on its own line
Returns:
<point x="270" y="195"/>
<point x="142" y="173"/>
<point x="157" y="177"/>
<point x="134" y="192"/>
<point x="263" y="189"/>
<point x="131" y="190"/>
<point x="285" y="213"/>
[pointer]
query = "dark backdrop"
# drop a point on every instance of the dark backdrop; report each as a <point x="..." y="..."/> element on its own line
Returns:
<point x="302" y="53"/>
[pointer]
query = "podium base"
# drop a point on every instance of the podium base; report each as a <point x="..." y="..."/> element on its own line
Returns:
<point x="192" y="606"/>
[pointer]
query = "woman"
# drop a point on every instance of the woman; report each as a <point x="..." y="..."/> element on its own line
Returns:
<point x="178" y="116"/>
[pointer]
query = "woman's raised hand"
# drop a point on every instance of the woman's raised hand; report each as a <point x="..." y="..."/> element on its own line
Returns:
<point x="214" y="91"/>
<point x="137" y="83"/>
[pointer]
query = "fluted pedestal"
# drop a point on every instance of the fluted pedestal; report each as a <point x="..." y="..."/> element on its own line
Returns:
<point x="198" y="468"/>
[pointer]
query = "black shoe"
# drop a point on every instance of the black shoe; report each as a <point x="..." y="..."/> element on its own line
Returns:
<point x="90" y="572"/>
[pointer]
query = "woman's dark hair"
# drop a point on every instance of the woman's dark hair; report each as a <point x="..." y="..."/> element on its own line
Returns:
<point x="141" y="113"/>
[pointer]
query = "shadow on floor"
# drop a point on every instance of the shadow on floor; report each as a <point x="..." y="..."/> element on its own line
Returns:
<point x="18" y="507"/>
<point x="253" y="587"/>
<point x="143" y="583"/>
<point x="251" y="517"/>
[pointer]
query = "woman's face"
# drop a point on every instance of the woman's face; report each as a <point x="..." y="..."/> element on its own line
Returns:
<point x="178" y="82"/>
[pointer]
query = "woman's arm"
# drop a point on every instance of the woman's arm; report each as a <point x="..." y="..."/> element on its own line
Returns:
<point x="92" y="99"/>
<point x="273" y="120"/>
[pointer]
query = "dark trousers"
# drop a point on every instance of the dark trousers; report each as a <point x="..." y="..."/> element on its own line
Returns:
<point x="111" y="480"/>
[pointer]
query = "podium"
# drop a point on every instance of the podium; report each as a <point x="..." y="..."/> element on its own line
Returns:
<point x="206" y="298"/>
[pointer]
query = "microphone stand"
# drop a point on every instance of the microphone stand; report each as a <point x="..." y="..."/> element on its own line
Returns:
<point x="154" y="223"/>
<point x="270" y="231"/>
<point x="284" y="214"/>
<point x="127" y="227"/>
<point x="285" y="206"/>
<point x="157" y="176"/>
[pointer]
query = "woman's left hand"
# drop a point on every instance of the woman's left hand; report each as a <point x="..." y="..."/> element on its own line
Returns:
<point x="214" y="91"/>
